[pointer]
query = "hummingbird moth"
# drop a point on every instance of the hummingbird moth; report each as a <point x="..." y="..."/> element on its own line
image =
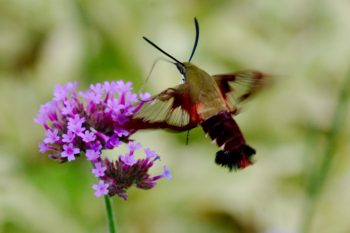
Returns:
<point x="210" y="101"/>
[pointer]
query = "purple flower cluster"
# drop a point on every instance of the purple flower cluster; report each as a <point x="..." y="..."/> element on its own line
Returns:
<point x="126" y="171"/>
<point x="90" y="121"/>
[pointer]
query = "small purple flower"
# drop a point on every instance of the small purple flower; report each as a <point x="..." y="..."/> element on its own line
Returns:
<point x="88" y="136"/>
<point x="134" y="146"/>
<point x="150" y="154"/>
<point x="112" y="142"/>
<point x="128" y="159"/>
<point x="110" y="87"/>
<point x="76" y="120"/>
<point x="92" y="155"/>
<point x="96" y="146"/>
<point x="97" y="89"/>
<point x="68" y="108"/>
<point x="75" y="124"/>
<point x="131" y="98"/>
<point x="123" y="87"/>
<point x="68" y="137"/>
<point x="51" y="136"/>
<point x="101" y="188"/>
<point x="43" y="115"/>
<point x="69" y="151"/>
<point x="60" y="92"/>
<point x="71" y="86"/>
<point x="145" y="96"/>
<point x="166" y="173"/>
<point x="93" y="97"/>
<point x="99" y="170"/>
<point x="114" y="106"/>
<point x="43" y="147"/>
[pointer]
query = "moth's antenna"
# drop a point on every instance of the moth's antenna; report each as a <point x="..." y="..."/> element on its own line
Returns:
<point x="197" y="37"/>
<point x="154" y="45"/>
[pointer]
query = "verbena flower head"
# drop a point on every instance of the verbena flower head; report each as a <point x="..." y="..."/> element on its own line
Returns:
<point x="88" y="122"/>
<point x="120" y="175"/>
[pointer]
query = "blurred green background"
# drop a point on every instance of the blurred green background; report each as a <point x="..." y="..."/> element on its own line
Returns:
<point x="299" y="125"/>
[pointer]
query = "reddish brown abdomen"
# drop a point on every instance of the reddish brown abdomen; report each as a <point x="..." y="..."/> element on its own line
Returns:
<point x="224" y="130"/>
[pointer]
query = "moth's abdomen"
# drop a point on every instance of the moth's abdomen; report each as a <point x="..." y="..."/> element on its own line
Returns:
<point x="223" y="129"/>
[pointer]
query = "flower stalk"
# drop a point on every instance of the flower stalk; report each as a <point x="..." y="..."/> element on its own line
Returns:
<point x="110" y="215"/>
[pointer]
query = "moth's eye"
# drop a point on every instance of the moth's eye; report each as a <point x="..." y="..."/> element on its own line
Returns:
<point x="181" y="68"/>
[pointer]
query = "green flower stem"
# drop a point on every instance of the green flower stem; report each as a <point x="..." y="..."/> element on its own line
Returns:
<point x="319" y="177"/>
<point x="110" y="215"/>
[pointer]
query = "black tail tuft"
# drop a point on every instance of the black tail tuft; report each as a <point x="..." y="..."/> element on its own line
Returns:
<point x="236" y="159"/>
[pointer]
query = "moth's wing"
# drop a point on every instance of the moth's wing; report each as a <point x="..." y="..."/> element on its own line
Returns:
<point x="238" y="86"/>
<point x="171" y="109"/>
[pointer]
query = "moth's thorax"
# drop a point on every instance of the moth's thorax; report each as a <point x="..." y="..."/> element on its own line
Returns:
<point x="204" y="92"/>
